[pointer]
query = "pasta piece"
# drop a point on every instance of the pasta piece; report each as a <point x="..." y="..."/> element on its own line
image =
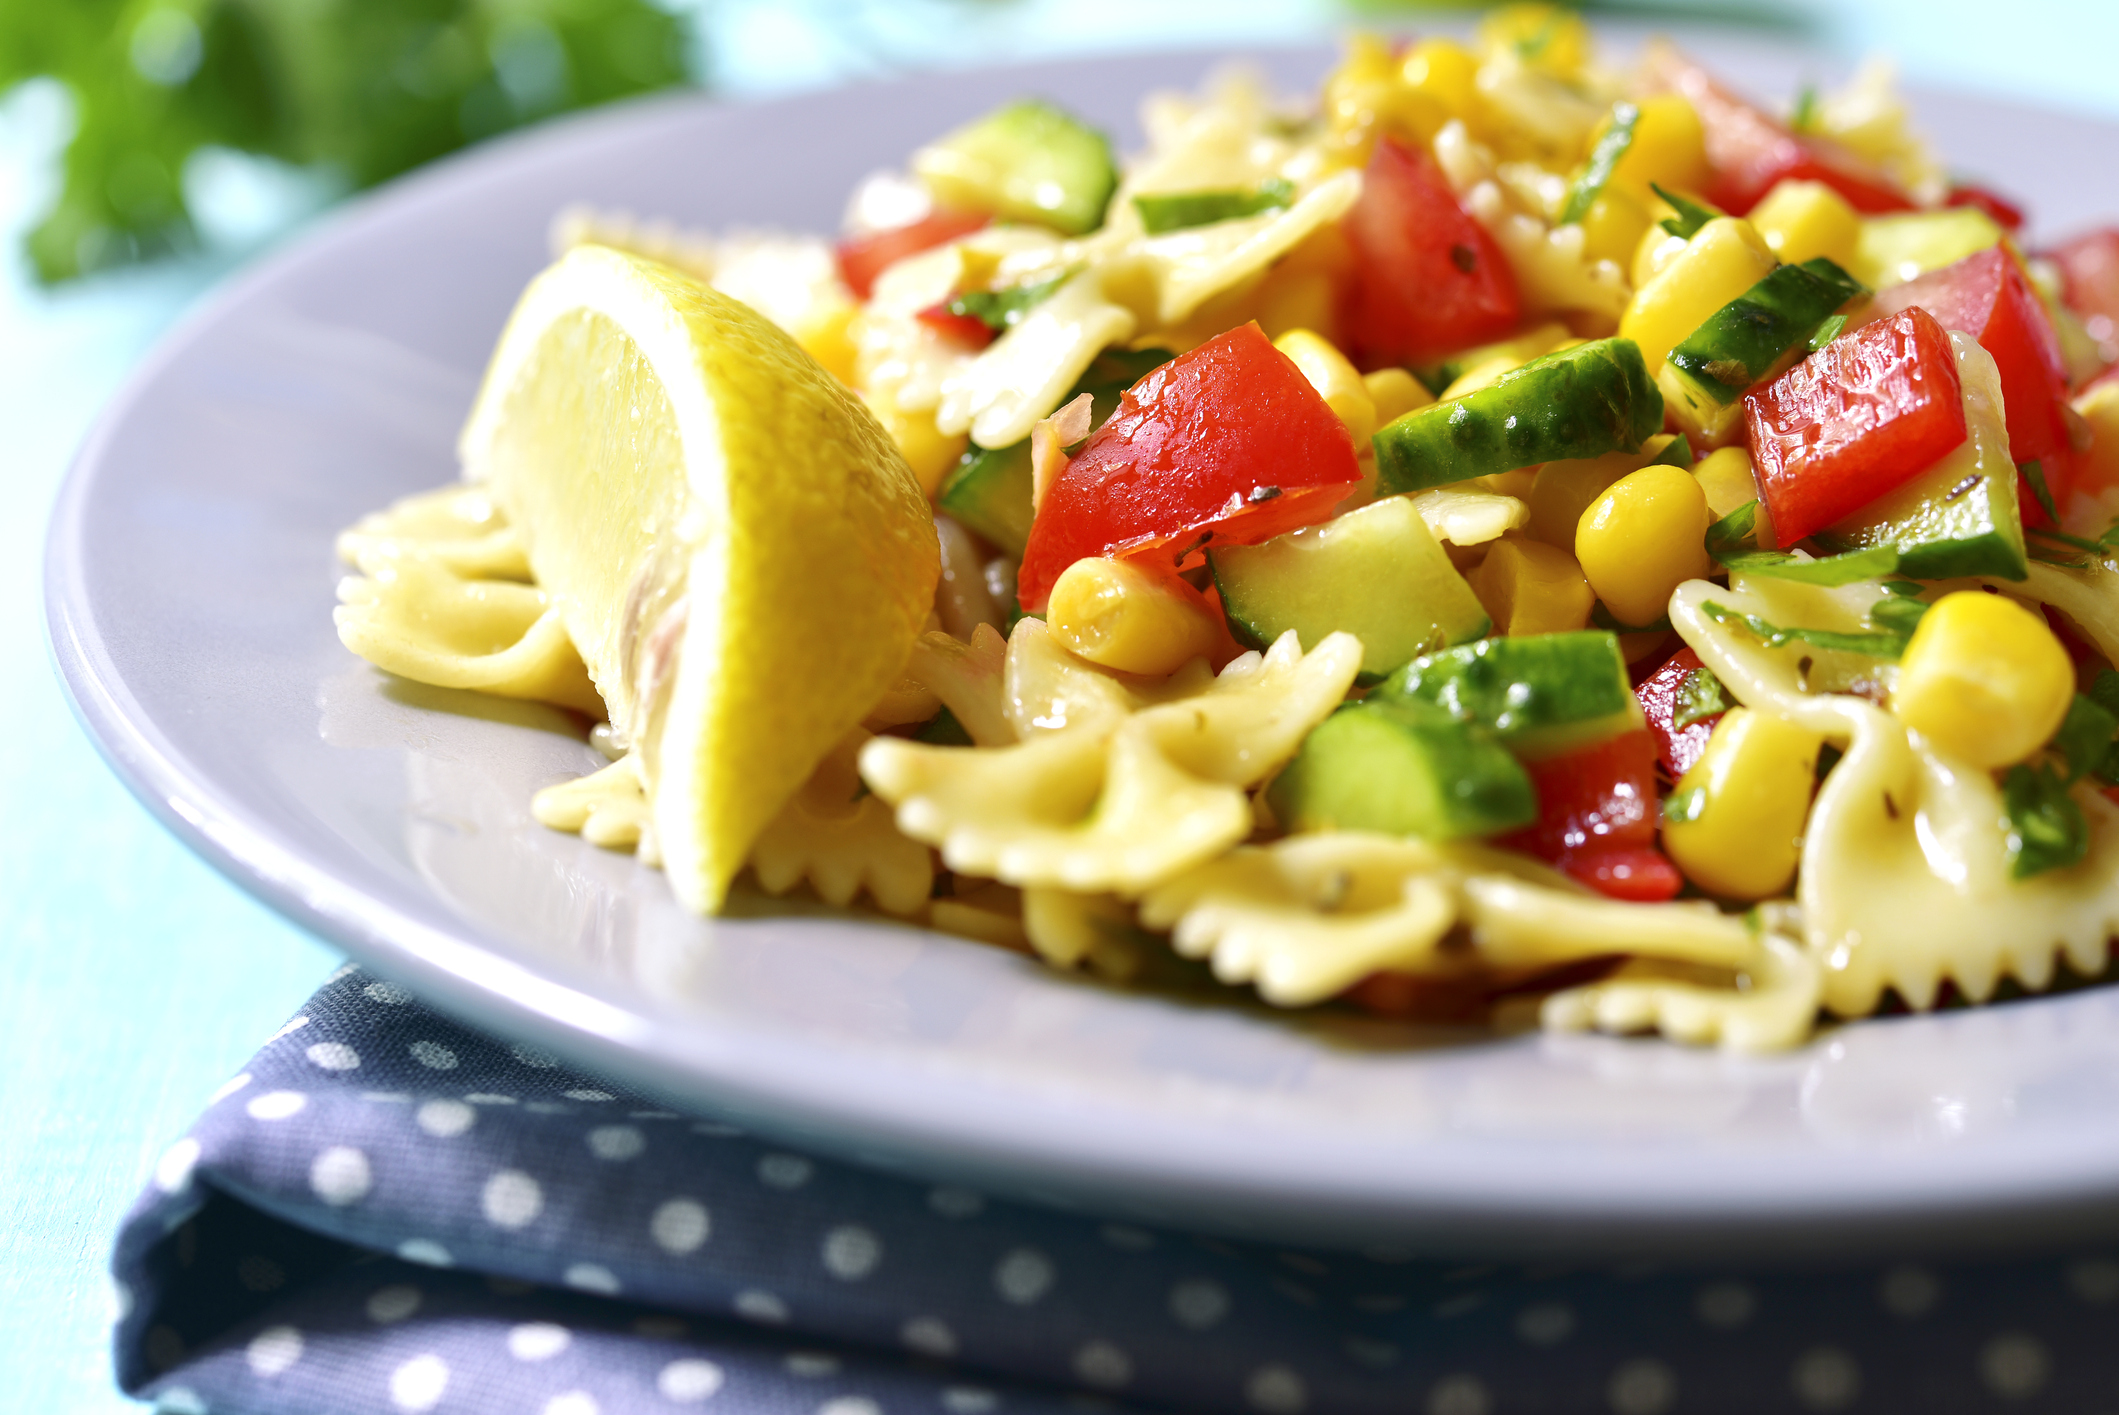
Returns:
<point x="1517" y="923"/>
<point x="1022" y="376"/>
<point x="1046" y="689"/>
<point x="841" y="841"/>
<point x="1550" y="262"/>
<point x="1470" y="517"/>
<point x="1192" y="266"/>
<point x="1092" y="931"/>
<point x="458" y="526"/>
<point x="607" y="808"/>
<point x="1773" y="1012"/>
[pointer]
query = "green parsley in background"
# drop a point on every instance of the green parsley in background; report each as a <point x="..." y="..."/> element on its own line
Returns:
<point x="360" y="89"/>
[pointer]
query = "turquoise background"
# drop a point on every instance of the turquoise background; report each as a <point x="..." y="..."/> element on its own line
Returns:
<point x="137" y="979"/>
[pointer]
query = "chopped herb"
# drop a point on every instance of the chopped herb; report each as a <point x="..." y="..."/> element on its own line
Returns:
<point x="1905" y="589"/>
<point x="1677" y="454"/>
<point x="1804" y="118"/>
<point x="1691" y="216"/>
<point x="1179" y="211"/>
<point x="1603" y="158"/>
<point x="944" y="731"/>
<point x="1684" y="807"/>
<point x="2046" y="828"/>
<point x="1827" y="332"/>
<point x="2034" y="473"/>
<point x="1828" y="757"/>
<point x="1700" y="695"/>
<point x="1898" y="614"/>
<point x="2104" y="691"/>
<point x="2085" y="737"/>
<point x="1731" y="543"/>
<point x="1881" y="645"/>
<point x="2094" y="547"/>
<point x="1004" y="309"/>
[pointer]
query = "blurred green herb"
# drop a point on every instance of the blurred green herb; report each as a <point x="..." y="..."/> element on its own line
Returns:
<point x="363" y="88"/>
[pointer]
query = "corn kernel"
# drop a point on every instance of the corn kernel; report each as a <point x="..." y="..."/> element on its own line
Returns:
<point x="827" y="336"/>
<point x="1395" y="393"/>
<point x="1804" y="220"/>
<point x="1444" y="71"/>
<point x="1130" y="620"/>
<point x="1564" y="490"/>
<point x="1984" y="679"/>
<point x="1528" y="587"/>
<point x="1735" y="823"/>
<point x="927" y="450"/>
<point x="1643" y="538"/>
<point x="2097" y="469"/>
<point x="1335" y="381"/>
<point x="1724" y="260"/>
<point x="1669" y="148"/>
<point x="1545" y="37"/>
<point x="1612" y="228"/>
<point x="1728" y="481"/>
<point x="1358" y="97"/>
<point x="1658" y="248"/>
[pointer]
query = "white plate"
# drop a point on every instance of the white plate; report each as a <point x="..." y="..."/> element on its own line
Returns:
<point x="190" y="592"/>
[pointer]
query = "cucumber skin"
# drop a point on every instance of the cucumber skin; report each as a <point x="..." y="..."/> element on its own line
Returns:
<point x="1541" y="694"/>
<point x="1400" y="771"/>
<point x="1029" y="143"/>
<point x="1760" y="327"/>
<point x="1577" y="403"/>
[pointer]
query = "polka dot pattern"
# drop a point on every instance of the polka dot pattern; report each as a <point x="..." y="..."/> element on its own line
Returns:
<point x="544" y="1241"/>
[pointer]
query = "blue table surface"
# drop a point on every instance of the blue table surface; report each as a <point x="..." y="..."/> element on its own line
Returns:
<point x="140" y="979"/>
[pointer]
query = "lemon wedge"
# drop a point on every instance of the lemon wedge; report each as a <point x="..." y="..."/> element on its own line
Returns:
<point x="736" y="548"/>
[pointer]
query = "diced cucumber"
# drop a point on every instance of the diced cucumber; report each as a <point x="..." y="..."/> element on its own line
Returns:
<point x="1543" y="694"/>
<point x="1745" y="340"/>
<point x="1162" y="212"/>
<point x="1028" y="161"/>
<point x="1377" y="573"/>
<point x="1897" y="248"/>
<point x="989" y="490"/>
<point x="1402" y="770"/>
<point x="1580" y="402"/>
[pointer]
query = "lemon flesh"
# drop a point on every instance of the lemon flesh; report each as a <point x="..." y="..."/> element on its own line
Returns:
<point x="738" y="551"/>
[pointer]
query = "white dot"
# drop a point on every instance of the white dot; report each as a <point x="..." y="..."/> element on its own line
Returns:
<point x="784" y="1171"/>
<point x="392" y="1304"/>
<point x="1546" y="1324"/>
<point x="1908" y="1291"/>
<point x="276" y="1105"/>
<point x="851" y="1252"/>
<point x="294" y="1024"/>
<point x="343" y="970"/>
<point x="229" y="1087"/>
<point x="680" y="1226"/>
<point x="2094" y="1280"/>
<point x="488" y="1098"/>
<point x="592" y="1277"/>
<point x="952" y="1202"/>
<point x="968" y="1400"/>
<point x="418" y="1384"/>
<point x="537" y="1341"/>
<point x="1023" y="1275"/>
<point x="340" y="1176"/>
<point x="433" y="1055"/>
<point x="659" y="1328"/>
<point x="1643" y="1387"/>
<point x="689" y="1381"/>
<point x="334" y="1056"/>
<point x="573" y="1402"/>
<point x="1727" y="1305"/>
<point x="850" y="1405"/>
<point x="426" y="1252"/>
<point x="760" y="1306"/>
<point x="1101" y="1364"/>
<point x="531" y="1056"/>
<point x="273" y="1350"/>
<point x="1458" y="1395"/>
<point x="1825" y="1378"/>
<point x="1120" y="1235"/>
<point x="590" y="1096"/>
<point x="1199" y="1304"/>
<point x="119" y="1306"/>
<point x="2014" y="1366"/>
<point x="512" y="1199"/>
<point x="180" y="1400"/>
<point x="811" y="1365"/>
<point x="389" y="994"/>
<point x="930" y="1336"/>
<point x="173" y="1169"/>
<point x="1276" y="1390"/>
<point x="444" y="1119"/>
<point x="616" y="1142"/>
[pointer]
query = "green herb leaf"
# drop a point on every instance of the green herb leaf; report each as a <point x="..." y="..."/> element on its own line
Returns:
<point x="1898" y="614"/>
<point x="2085" y="737"/>
<point x="1700" y="695"/>
<point x="944" y="731"/>
<point x="1178" y="211"/>
<point x="1827" y="332"/>
<point x="2046" y="828"/>
<point x="1684" y="807"/>
<point x="1004" y="309"/>
<point x="1603" y="158"/>
<point x="2034" y="473"/>
<point x="1677" y="454"/>
<point x="1731" y="544"/>
<point x="1691" y="216"/>
<point x="1882" y="645"/>
<point x="1804" y="118"/>
<point x="1906" y="589"/>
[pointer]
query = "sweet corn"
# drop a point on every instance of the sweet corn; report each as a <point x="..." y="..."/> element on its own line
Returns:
<point x="1444" y="72"/>
<point x="1302" y="290"/>
<point x="1727" y="481"/>
<point x="1669" y="149"/>
<point x="1124" y="618"/>
<point x="827" y="336"/>
<point x="928" y="451"/>
<point x="1658" y="248"/>
<point x="1528" y="587"/>
<point x="1565" y="489"/>
<point x="1395" y="393"/>
<point x="1612" y="228"/>
<point x="1544" y="37"/>
<point x="1335" y="380"/>
<point x="1735" y="823"/>
<point x="1804" y="220"/>
<point x="1984" y="679"/>
<point x="1720" y="263"/>
<point x="2098" y="468"/>
<point x="1643" y="538"/>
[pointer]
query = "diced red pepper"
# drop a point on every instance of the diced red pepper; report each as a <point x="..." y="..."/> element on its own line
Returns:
<point x="1428" y="278"/>
<point x="863" y="258"/>
<point x="1678" y="747"/>
<point x="966" y="329"/>
<point x="1597" y="818"/>
<point x="2089" y="267"/>
<point x="2007" y="214"/>
<point x="1752" y="152"/>
<point x="1986" y="296"/>
<point x="1227" y="443"/>
<point x="1860" y="417"/>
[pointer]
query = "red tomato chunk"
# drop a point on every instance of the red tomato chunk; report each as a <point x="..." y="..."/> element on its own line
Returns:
<point x="1860" y="417"/>
<point x="2090" y="266"/>
<point x="1678" y="747"/>
<point x="966" y="329"/>
<point x="1597" y="819"/>
<point x="2006" y="213"/>
<point x="1227" y="444"/>
<point x="863" y="258"/>
<point x="1428" y="279"/>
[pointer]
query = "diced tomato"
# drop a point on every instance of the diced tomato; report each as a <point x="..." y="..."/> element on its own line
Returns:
<point x="863" y="258"/>
<point x="1751" y="152"/>
<point x="1228" y="443"/>
<point x="2007" y="214"/>
<point x="1597" y="818"/>
<point x="966" y="329"/>
<point x="1860" y="417"/>
<point x="2089" y="267"/>
<point x="1428" y="279"/>
<point x="1986" y="296"/>
<point x="1678" y="747"/>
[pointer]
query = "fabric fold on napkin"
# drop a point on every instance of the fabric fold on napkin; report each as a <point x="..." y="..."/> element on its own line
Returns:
<point x="388" y="1212"/>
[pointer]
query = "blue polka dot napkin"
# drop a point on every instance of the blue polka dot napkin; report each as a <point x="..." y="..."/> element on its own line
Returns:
<point x="390" y="1213"/>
